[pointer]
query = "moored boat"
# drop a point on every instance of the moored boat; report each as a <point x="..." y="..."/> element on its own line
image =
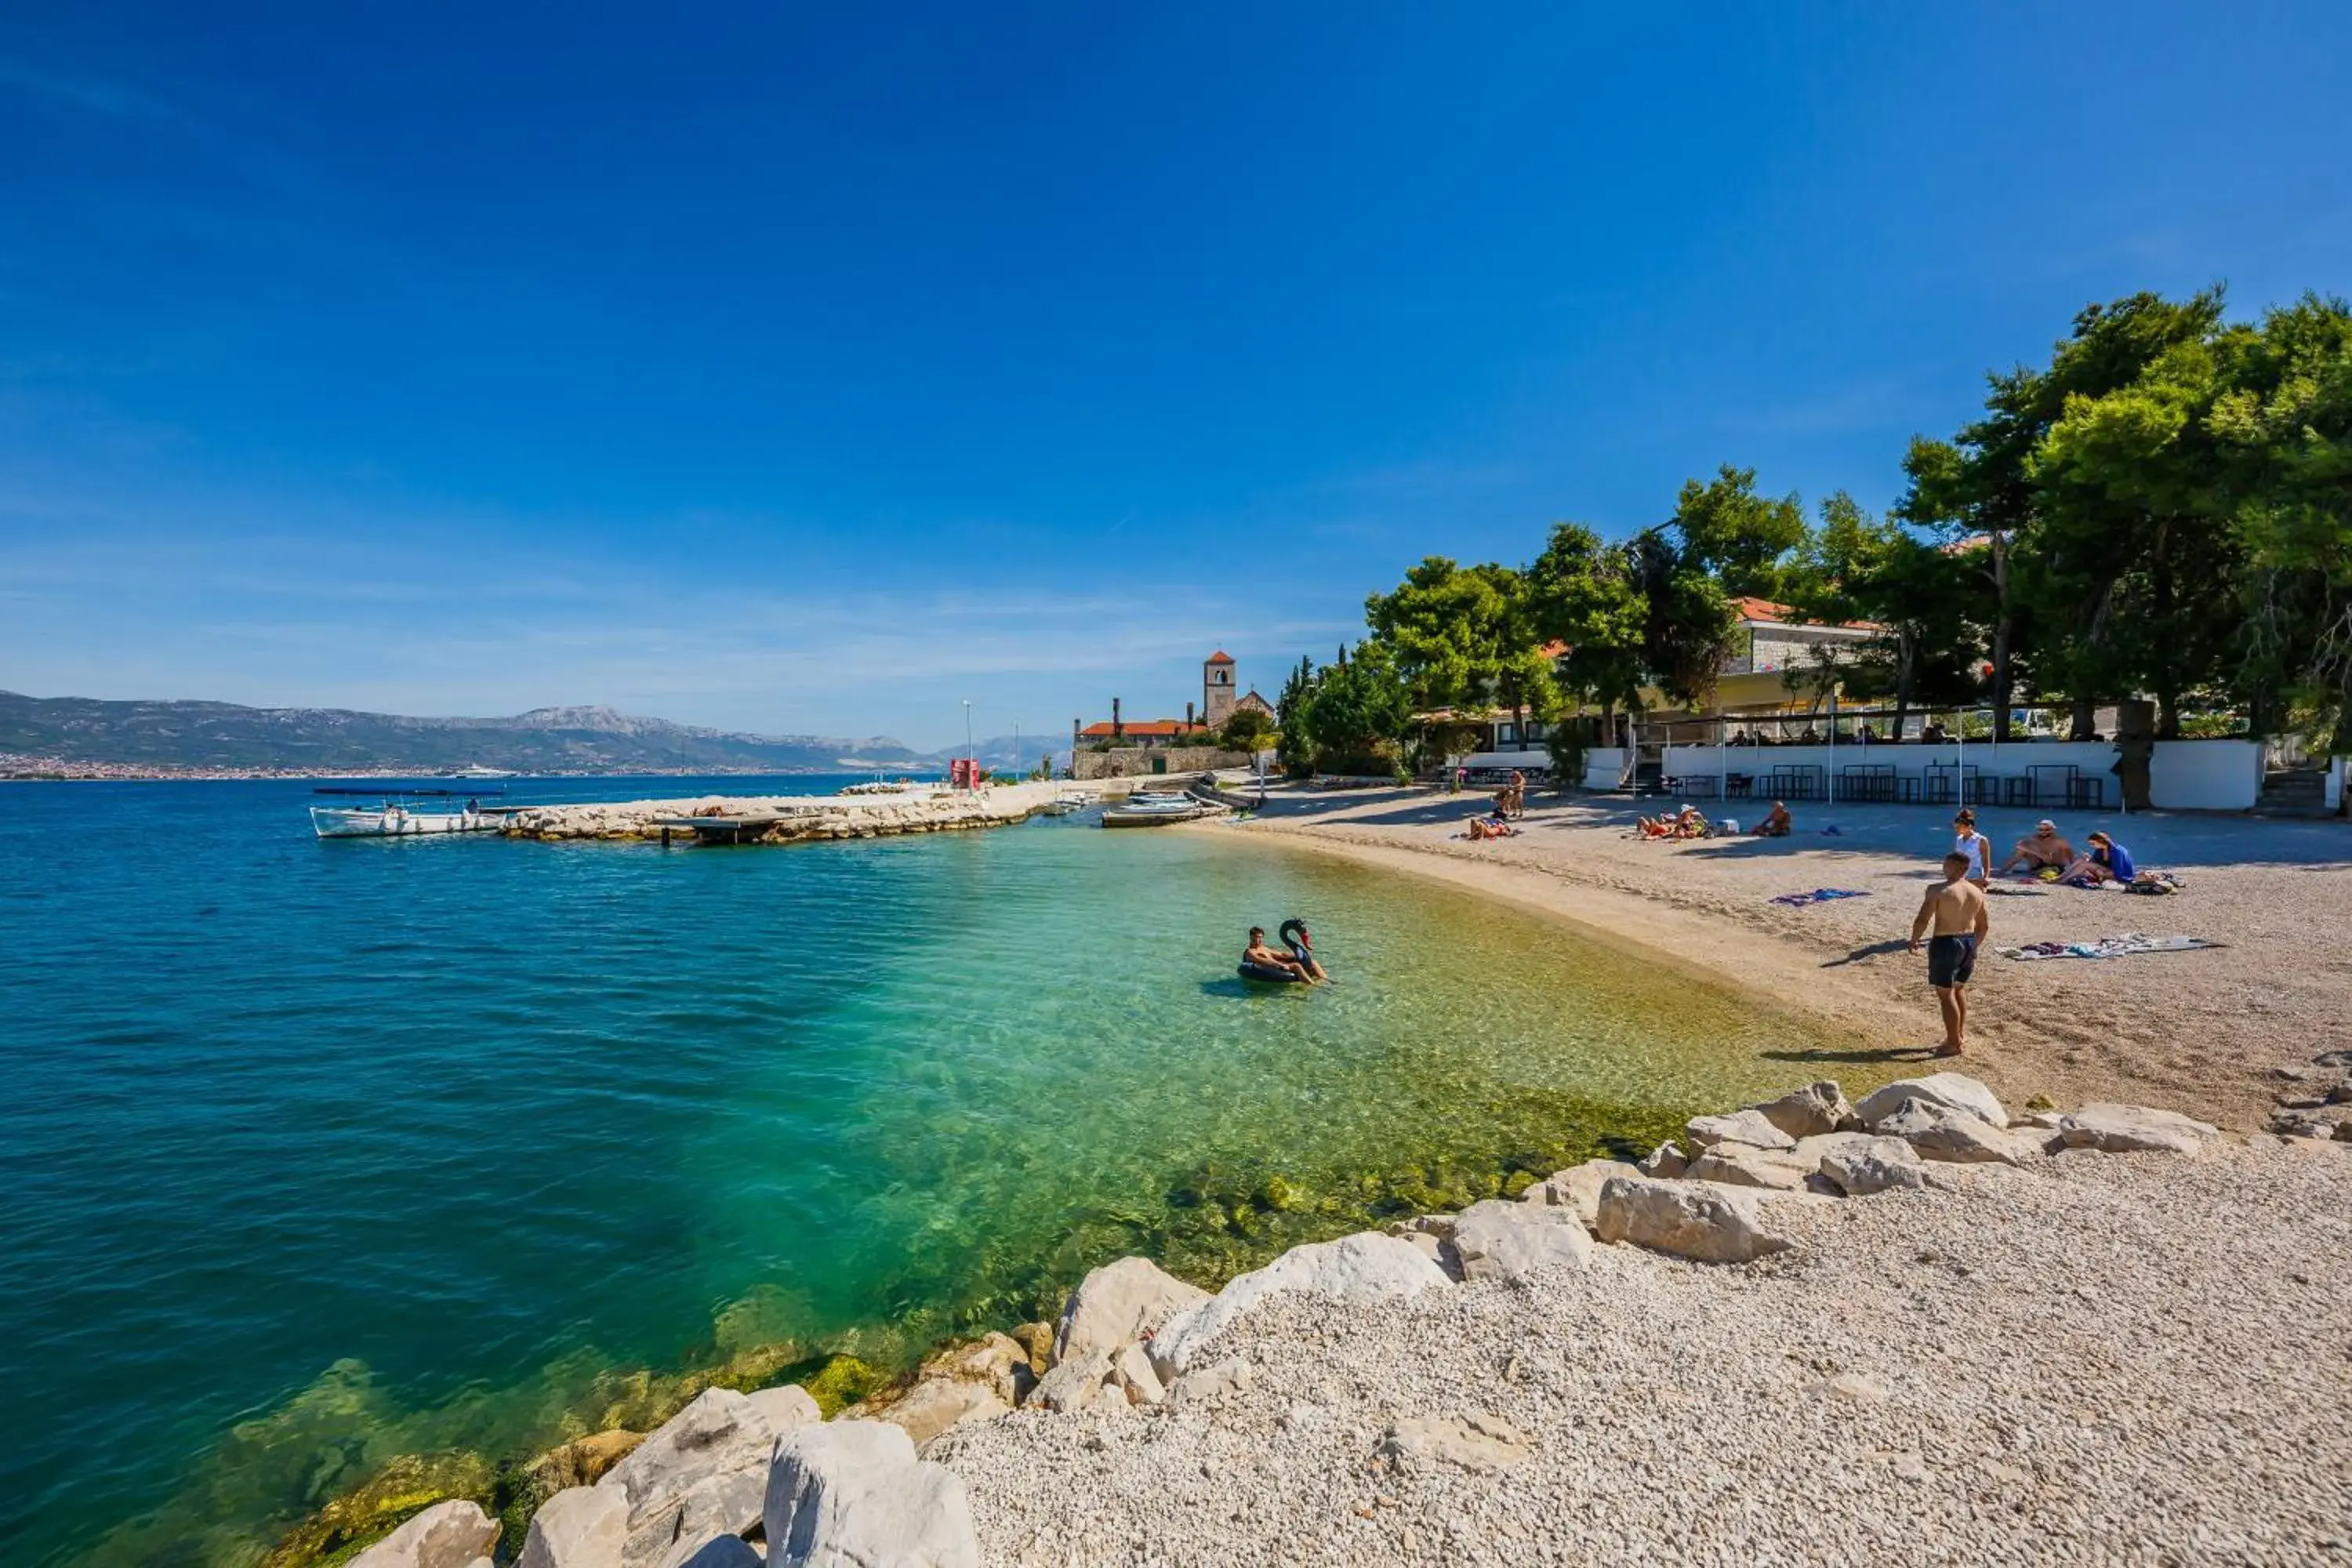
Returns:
<point x="393" y="818"/>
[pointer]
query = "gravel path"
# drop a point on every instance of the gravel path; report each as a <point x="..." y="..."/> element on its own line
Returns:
<point x="2198" y="1032"/>
<point x="2095" y="1359"/>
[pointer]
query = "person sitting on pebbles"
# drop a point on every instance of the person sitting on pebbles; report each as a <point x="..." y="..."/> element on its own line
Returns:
<point x="2106" y="861"/>
<point x="1775" y="823"/>
<point x="2043" y="850"/>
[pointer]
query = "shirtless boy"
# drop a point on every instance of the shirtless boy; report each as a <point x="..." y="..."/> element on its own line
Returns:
<point x="1959" y="910"/>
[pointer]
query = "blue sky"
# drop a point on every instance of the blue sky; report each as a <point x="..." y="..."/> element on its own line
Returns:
<point x="799" y="371"/>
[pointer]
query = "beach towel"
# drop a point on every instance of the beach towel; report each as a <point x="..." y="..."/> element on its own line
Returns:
<point x="2154" y="883"/>
<point x="2122" y="946"/>
<point x="1819" y="896"/>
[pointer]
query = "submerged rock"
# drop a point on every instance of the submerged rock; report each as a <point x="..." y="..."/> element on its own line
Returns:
<point x="404" y="1487"/>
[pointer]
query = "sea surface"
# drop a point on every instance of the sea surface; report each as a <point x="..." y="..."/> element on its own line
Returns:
<point x="312" y="1154"/>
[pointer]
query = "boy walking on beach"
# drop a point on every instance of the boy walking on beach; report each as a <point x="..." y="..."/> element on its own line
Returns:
<point x="1961" y="913"/>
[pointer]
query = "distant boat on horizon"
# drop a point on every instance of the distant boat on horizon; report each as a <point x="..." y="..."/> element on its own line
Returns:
<point x="475" y="770"/>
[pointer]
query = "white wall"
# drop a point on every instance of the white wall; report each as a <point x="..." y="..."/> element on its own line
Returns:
<point x="2206" y="776"/>
<point x="1604" y="767"/>
<point x="2183" y="776"/>
<point x="2335" y="770"/>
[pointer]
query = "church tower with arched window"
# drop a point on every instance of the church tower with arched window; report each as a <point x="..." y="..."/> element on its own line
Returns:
<point x="1217" y="689"/>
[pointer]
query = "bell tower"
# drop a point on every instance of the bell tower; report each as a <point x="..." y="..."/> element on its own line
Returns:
<point x="1217" y="689"/>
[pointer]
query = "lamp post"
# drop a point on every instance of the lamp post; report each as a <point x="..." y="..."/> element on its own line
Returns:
<point x="968" y="770"/>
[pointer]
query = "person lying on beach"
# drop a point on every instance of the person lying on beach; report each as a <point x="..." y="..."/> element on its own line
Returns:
<point x="2106" y="861"/>
<point x="1957" y="910"/>
<point x="1490" y="828"/>
<point x="1775" y="823"/>
<point x="1260" y="956"/>
<point x="2044" y="847"/>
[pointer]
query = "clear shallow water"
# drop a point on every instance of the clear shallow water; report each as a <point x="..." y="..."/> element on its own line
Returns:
<point x="317" y="1153"/>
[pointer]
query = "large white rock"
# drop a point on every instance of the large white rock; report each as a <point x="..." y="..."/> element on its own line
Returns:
<point x="1955" y="1091"/>
<point x="714" y="1451"/>
<point x="1359" y="1269"/>
<point x="1707" y="1223"/>
<point x="1749" y="1127"/>
<point x="784" y="1408"/>
<point x="1875" y="1165"/>
<point x="1579" y="1186"/>
<point x="1075" y="1384"/>
<point x="2129" y="1129"/>
<point x="446" y="1535"/>
<point x="1666" y="1161"/>
<point x="1739" y="1165"/>
<point x="930" y="1408"/>
<point x="852" y="1494"/>
<point x="1812" y="1150"/>
<point x="1808" y="1111"/>
<point x="579" y="1527"/>
<point x="1956" y="1137"/>
<point x="1511" y="1241"/>
<point x="1118" y="1304"/>
<point x="1131" y="1373"/>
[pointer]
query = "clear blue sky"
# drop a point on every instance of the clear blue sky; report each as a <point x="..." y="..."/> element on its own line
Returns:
<point x="809" y="369"/>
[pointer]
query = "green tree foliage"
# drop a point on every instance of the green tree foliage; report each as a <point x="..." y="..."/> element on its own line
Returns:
<point x="2163" y="508"/>
<point x="1355" y="714"/>
<point x="1292" y="749"/>
<point x="1465" y="636"/>
<point x="1247" y="730"/>
<point x="1581" y="593"/>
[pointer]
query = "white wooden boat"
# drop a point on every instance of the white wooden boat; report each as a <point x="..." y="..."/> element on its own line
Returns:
<point x="1154" y="809"/>
<point x="394" y="814"/>
<point x="393" y="820"/>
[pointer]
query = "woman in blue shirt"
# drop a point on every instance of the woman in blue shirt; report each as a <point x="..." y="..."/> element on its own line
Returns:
<point x="2108" y="861"/>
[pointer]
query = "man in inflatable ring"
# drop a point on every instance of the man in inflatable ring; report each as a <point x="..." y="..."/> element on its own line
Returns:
<point x="1264" y="957"/>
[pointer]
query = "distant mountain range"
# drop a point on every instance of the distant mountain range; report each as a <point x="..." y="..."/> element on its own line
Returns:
<point x="224" y="736"/>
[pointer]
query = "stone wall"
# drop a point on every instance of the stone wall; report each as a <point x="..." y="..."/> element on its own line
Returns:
<point x="1136" y="762"/>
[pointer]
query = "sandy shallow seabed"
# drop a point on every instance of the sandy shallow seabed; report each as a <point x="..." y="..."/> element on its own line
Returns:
<point x="2197" y="1032"/>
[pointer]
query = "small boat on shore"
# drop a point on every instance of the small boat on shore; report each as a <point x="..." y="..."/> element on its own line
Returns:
<point x="1067" y="802"/>
<point x="1155" y="808"/>
<point x="393" y="818"/>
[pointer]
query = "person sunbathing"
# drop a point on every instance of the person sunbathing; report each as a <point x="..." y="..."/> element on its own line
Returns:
<point x="2043" y="849"/>
<point x="1490" y="828"/>
<point x="1775" y="823"/>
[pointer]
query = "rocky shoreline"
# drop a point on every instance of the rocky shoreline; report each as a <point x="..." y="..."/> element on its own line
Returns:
<point x="945" y="1470"/>
<point x="795" y="819"/>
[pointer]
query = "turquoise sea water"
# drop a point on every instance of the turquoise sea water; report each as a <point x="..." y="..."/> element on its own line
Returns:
<point x="318" y="1153"/>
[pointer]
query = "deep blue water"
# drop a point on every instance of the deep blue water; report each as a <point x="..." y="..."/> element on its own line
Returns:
<point x="318" y="1153"/>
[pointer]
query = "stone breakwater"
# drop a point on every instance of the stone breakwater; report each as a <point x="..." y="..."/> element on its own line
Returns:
<point x="1911" y="1329"/>
<point x="795" y="819"/>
